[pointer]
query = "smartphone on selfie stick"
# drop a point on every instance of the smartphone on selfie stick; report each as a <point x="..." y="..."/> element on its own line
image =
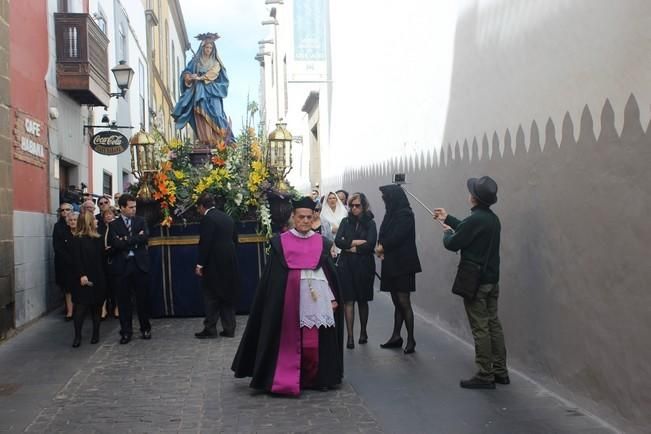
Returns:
<point x="401" y="179"/>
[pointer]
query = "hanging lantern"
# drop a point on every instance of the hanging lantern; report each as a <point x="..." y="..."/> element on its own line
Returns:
<point x="279" y="150"/>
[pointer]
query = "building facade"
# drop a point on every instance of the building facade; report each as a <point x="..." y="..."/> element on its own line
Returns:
<point x="59" y="90"/>
<point x="124" y="25"/>
<point x="167" y="43"/>
<point x="295" y="82"/>
<point x="7" y="299"/>
<point x="31" y="149"/>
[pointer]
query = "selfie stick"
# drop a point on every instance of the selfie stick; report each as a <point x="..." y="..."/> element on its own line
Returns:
<point x="421" y="203"/>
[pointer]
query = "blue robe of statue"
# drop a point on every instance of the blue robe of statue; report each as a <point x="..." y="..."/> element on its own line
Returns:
<point x="201" y="103"/>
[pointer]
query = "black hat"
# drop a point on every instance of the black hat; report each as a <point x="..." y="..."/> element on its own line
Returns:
<point x="483" y="189"/>
<point x="304" y="202"/>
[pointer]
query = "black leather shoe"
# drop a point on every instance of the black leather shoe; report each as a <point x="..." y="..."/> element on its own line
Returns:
<point x="226" y="334"/>
<point x="125" y="339"/>
<point x="205" y="334"/>
<point x="499" y="379"/>
<point x="146" y="334"/>
<point x="94" y="339"/>
<point x="350" y="344"/>
<point x="76" y="342"/>
<point x="397" y="343"/>
<point x="363" y="339"/>
<point x="477" y="383"/>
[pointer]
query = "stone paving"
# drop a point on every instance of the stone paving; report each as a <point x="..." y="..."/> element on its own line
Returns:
<point x="175" y="383"/>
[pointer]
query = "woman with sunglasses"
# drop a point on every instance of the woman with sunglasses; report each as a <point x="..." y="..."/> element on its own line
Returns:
<point x="321" y="226"/>
<point x="356" y="238"/>
<point x="61" y="237"/>
<point x="104" y="203"/>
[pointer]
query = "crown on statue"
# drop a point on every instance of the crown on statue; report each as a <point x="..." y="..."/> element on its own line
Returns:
<point x="207" y="37"/>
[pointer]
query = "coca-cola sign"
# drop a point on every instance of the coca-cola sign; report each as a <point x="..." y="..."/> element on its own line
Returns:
<point x="109" y="143"/>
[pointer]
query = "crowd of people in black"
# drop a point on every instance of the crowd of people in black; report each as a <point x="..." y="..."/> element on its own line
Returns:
<point x="102" y="264"/>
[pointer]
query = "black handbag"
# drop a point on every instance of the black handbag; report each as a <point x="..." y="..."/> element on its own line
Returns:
<point x="466" y="283"/>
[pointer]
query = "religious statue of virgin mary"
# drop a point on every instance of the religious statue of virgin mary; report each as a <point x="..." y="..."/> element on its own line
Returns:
<point x="204" y="85"/>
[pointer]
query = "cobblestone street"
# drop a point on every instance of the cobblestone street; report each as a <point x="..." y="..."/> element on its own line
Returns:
<point x="175" y="383"/>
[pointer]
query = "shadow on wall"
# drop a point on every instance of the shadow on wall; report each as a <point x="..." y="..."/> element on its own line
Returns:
<point x="575" y="248"/>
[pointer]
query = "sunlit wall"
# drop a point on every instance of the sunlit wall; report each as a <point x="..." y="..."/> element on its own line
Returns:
<point x="422" y="73"/>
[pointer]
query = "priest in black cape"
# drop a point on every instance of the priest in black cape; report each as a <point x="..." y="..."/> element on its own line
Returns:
<point x="294" y="337"/>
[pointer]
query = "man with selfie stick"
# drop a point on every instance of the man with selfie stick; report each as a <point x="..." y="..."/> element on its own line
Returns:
<point x="478" y="238"/>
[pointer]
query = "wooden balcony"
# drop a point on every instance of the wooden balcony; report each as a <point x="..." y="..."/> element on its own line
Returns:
<point x="82" y="59"/>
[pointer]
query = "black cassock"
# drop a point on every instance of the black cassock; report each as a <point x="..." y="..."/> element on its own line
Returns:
<point x="258" y="351"/>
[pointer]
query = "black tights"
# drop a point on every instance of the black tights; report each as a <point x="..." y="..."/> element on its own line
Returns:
<point x="80" y="311"/>
<point x="362" y="306"/>
<point x="402" y="312"/>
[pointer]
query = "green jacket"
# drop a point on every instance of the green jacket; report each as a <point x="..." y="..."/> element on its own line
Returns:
<point x="472" y="236"/>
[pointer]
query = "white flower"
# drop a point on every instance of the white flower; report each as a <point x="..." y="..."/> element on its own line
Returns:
<point x="238" y="199"/>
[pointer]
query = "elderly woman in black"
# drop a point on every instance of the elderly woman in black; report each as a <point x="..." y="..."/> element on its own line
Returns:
<point x="397" y="249"/>
<point x="356" y="238"/>
<point x="89" y="291"/>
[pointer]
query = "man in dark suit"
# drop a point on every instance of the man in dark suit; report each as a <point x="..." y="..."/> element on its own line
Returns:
<point x="127" y="238"/>
<point x="217" y="267"/>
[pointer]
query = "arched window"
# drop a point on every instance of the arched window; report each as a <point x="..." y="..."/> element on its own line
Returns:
<point x="121" y="43"/>
<point x="173" y="74"/>
<point x="167" y="53"/>
<point x="160" y="36"/>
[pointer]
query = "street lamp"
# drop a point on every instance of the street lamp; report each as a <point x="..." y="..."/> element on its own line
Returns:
<point x="123" y="74"/>
<point x="144" y="161"/>
<point x="279" y="150"/>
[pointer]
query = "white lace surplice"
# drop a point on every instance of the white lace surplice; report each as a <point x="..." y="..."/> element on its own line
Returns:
<point x="316" y="313"/>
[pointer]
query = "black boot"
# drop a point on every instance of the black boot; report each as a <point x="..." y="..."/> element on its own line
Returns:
<point x="95" y="338"/>
<point x="76" y="341"/>
<point x="392" y="343"/>
<point x="410" y="347"/>
<point x="477" y="383"/>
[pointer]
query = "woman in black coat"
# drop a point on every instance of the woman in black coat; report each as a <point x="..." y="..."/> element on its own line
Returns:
<point x="356" y="238"/>
<point x="89" y="290"/>
<point x="400" y="263"/>
<point x="111" y="304"/>
<point x="63" y="261"/>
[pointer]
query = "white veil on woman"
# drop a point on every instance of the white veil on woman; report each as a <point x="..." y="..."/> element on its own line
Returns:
<point x="333" y="217"/>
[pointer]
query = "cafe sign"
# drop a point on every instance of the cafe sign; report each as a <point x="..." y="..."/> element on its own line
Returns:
<point x="30" y="140"/>
<point x="109" y="142"/>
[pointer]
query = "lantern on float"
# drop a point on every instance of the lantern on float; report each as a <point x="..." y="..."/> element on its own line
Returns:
<point x="279" y="150"/>
<point x="144" y="161"/>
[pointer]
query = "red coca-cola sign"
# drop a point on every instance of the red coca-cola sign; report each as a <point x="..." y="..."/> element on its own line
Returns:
<point x="109" y="142"/>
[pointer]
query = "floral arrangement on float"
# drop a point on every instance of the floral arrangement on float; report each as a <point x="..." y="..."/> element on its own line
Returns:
<point x="246" y="176"/>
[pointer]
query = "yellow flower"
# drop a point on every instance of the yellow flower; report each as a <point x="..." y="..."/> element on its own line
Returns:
<point x="176" y="144"/>
<point x="179" y="174"/>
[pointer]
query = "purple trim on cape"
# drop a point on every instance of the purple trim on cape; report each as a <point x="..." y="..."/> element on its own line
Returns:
<point x="301" y="253"/>
<point x="310" y="356"/>
<point x="287" y="377"/>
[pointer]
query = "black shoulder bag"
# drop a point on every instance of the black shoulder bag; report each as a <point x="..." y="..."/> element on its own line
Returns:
<point x="466" y="283"/>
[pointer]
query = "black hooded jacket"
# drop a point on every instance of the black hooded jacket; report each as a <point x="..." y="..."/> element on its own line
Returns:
<point x="398" y="234"/>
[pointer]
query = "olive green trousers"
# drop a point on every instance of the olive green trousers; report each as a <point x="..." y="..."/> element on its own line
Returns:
<point x="490" y="351"/>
